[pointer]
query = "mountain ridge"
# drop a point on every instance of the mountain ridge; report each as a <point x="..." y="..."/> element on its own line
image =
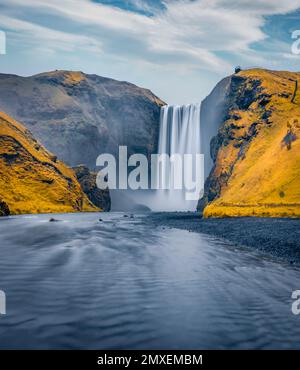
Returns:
<point x="79" y="116"/>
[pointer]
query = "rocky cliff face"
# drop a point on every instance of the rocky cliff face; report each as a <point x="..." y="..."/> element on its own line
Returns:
<point x="87" y="180"/>
<point x="79" y="116"/>
<point x="256" y="152"/>
<point x="213" y="109"/>
<point x="4" y="209"/>
<point x="32" y="180"/>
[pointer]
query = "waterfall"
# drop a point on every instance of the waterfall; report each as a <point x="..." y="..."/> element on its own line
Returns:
<point x="179" y="134"/>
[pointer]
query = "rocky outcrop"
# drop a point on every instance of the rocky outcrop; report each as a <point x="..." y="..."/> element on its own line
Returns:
<point x="4" y="209"/>
<point x="87" y="180"/>
<point x="213" y="109"/>
<point x="79" y="116"/>
<point x="256" y="151"/>
<point x="32" y="180"/>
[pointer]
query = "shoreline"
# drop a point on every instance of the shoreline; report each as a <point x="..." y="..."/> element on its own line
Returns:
<point x="275" y="237"/>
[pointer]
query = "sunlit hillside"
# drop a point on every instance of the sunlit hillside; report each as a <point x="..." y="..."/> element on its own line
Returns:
<point x="32" y="180"/>
<point x="257" y="149"/>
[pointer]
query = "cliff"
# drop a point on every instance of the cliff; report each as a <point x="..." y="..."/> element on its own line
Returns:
<point x="79" y="116"/>
<point x="4" y="210"/>
<point x="32" y="180"/>
<point x="87" y="180"/>
<point x="256" y="151"/>
<point x="212" y="112"/>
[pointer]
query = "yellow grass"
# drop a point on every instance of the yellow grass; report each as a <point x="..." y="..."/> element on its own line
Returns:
<point x="31" y="179"/>
<point x="266" y="182"/>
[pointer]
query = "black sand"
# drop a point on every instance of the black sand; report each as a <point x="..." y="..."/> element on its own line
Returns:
<point x="278" y="237"/>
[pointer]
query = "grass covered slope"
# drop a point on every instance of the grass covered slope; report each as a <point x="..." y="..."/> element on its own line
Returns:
<point x="32" y="180"/>
<point x="257" y="150"/>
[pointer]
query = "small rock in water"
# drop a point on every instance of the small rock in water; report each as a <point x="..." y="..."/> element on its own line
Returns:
<point x="125" y="216"/>
<point x="53" y="220"/>
<point x="100" y="219"/>
<point x="131" y="216"/>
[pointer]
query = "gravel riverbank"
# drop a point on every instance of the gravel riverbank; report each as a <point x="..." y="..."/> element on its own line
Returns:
<point x="278" y="237"/>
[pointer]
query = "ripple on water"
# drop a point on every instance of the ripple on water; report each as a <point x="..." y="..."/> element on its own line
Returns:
<point x="124" y="284"/>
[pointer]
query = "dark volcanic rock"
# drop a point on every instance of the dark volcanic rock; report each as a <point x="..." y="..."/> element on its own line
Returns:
<point x="141" y="208"/>
<point x="53" y="220"/>
<point x="87" y="180"/>
<point x="79" y="116"/>
<point x="277" y="237"/>
<point x="4" y="210"/>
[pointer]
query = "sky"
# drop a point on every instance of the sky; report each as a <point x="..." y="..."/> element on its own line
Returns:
<point x="177" y="48"/>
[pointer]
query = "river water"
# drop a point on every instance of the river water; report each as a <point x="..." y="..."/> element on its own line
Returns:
<point x="123" y="283"/>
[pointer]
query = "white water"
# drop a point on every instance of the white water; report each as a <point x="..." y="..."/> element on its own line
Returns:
<point x="179" y="134"/>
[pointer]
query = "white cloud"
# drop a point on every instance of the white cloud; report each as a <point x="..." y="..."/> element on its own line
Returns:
<point x="189" y="33"/>
<point x="46" y="38"/>
<point x="180" y="51"/>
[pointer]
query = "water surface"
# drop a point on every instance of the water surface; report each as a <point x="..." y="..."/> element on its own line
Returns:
<point x="123" y="283"/>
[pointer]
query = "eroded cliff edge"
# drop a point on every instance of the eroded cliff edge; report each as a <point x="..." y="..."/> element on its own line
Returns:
<point x="256" y="151"/>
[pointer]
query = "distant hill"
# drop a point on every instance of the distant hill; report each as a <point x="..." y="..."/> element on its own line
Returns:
<point x="256" y="149"/>
<point x="32" y="180"/>
<point x="79" y="116"/>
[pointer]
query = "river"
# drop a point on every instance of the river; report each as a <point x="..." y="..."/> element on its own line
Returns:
<point x="122" y="283"/>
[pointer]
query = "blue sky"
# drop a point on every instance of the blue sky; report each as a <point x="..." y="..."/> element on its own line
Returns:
<point x="178" y="48"/>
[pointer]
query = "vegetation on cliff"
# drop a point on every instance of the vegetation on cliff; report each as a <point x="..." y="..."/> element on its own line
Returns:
<point x="32" y="180"/>
<point x="256" y="152"/>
